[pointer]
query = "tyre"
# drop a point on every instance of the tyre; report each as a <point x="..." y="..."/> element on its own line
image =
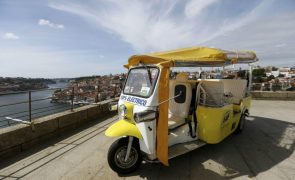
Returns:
<point x="241" y="125"/>
<point x="117" y="153"/>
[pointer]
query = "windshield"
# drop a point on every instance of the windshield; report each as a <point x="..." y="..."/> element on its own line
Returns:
<point x="141" y="81"/>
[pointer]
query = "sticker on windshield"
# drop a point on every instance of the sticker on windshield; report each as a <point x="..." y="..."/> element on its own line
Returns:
<point x="144" y="91"/>
<point x="127" y="89"/>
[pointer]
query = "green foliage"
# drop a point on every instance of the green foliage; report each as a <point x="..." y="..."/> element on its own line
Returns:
<point x="259" y="73"/>
<point x="259" y="79"/>
<point x="281" y="75"/>
<point x="270" y="77"/>
<point x="20" y="80"/>
<point x="274" y="68"/>
<point x="85" y="78"/>
<point x="242" y="74"/>
<point x="24" y="84"/>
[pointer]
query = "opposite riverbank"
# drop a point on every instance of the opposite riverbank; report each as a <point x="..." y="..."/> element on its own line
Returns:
<point x="18" y="84"/>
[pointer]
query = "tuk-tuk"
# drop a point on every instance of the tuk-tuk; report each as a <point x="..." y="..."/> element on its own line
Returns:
<point x="161" y="116"/>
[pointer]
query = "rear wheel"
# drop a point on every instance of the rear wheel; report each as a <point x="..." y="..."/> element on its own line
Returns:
<point x="117" y="153"/>
<point x="241" y="125"/>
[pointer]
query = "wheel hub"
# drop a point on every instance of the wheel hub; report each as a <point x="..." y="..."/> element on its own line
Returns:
<point x="120" y="157"/>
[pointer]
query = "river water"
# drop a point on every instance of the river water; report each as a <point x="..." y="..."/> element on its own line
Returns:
<point x="39" y="108"/>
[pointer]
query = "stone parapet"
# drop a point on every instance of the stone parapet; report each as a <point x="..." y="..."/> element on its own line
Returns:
<point x="19" y="137"/>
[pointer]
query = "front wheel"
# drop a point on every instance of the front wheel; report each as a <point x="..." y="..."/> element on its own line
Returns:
<point x="117" y="153"/>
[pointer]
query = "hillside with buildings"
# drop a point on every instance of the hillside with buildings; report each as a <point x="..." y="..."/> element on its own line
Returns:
<point x="274" y="79"/>
<point x="9" y="84"/>
<point x="264" y="78"/>
<point x="84" y="90"/>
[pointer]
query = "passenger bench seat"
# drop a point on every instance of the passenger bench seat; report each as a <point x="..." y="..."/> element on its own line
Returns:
<point x="237" y="87"/>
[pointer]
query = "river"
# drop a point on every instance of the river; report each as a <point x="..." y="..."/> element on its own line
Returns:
<point x="39" y="108"/>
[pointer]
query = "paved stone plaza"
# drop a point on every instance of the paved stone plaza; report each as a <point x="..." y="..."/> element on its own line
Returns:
<point x="265" y="150"/>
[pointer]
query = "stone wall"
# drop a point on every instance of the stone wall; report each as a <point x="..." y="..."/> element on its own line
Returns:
<point x="269" y="95"/>
<point x="19" y="137"/>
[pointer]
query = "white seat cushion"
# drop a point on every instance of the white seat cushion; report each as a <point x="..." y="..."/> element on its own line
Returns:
<point x="178" y="111"/>
<point x="174" y="121"/>
<point x="237" y="87"/>
<point x="214" y="92"/>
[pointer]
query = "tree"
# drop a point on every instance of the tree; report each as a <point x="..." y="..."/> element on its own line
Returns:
<point x="259" y="73"/>
<point x="259" y="79"/>
<point x="281" y="75"/>
<point x="242" y="74"/>
<point x="270" y="77"/>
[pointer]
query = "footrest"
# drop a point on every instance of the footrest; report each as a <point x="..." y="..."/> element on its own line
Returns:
<point x="183" y="148"/>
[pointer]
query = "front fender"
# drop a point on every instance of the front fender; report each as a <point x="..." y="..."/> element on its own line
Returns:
<point x="123" y="128"/>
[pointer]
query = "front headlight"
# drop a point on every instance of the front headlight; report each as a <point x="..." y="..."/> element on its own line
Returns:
<point x="122" y="111"/>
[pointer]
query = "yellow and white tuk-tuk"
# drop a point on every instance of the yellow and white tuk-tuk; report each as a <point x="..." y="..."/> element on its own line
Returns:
<point x="161" y="117"/>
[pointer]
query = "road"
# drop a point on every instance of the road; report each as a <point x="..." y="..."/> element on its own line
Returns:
<point x="264" y="150"/>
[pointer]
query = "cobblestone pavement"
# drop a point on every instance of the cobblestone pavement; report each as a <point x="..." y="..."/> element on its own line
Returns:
<point x="265" y="150"/>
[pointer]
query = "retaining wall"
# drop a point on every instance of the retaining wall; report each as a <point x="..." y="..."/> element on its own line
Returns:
<point x="19" y="137"/>
<point x="269" y="95"/>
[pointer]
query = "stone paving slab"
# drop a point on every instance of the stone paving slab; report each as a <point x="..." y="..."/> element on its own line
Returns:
<point x="265" y="150"/>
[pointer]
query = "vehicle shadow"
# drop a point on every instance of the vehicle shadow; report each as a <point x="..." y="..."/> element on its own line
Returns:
<point x="52" y="141"/>
<point x="260" y="147"/>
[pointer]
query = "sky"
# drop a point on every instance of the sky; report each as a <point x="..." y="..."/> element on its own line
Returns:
<point x="61" y="38"/>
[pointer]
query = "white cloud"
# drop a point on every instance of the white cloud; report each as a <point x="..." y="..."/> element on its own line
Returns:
<point x="45" y="22"/>
<point x="145" y="26"/>
<point x="46" y="62"/>
<point x="194" y="7"/>
<point x="272" y="37"/>
<point x="280" y="45"/>
<point x="152" y="25"/>
<point x="10" y="35"/>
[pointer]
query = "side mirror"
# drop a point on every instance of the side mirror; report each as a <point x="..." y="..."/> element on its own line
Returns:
<point x="113" y="106"/>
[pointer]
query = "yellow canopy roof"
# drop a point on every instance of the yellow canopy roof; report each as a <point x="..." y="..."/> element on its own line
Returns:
<point x="195" y="56"/>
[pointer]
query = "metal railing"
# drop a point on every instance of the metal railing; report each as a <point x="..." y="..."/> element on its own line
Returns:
<point x="272" y="87"/>
<point x="26" y="110"/>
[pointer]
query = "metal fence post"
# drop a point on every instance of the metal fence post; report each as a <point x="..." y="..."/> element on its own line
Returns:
<point x="72" y="99"/>
<point x="30" y="106"/>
